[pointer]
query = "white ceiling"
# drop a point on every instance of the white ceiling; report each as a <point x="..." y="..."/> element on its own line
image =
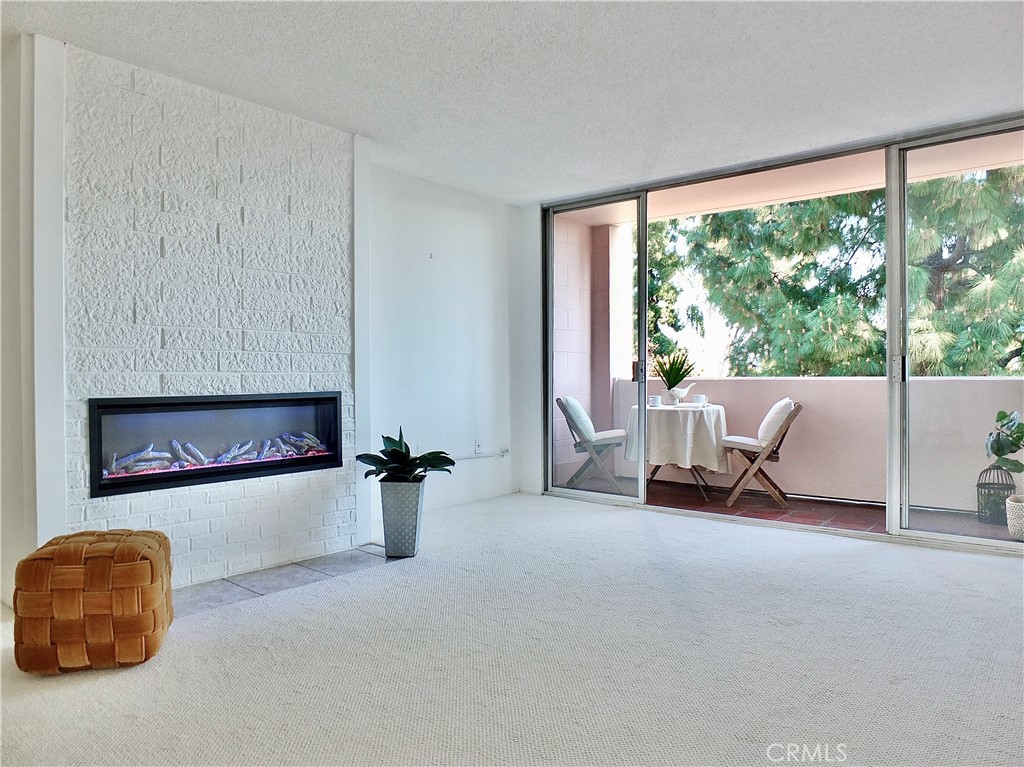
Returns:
<point x="540" y="101"/>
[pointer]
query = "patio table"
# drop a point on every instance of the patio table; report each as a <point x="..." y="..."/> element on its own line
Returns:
<point x="687" y="435"/>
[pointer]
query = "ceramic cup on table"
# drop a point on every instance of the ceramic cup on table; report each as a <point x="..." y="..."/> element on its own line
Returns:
<point x="700" y="399"/>
<point x="654" y="400"/>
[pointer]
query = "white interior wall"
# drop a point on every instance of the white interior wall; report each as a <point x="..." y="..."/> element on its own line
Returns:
<point x="17" y="445"/>
<point x="439" y="330"/>
<point x="48" y="302"/>
<point x="526" y="349"/>
<point x="362" y="347"/>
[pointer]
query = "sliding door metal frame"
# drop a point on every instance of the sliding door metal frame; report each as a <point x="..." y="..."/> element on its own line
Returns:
<point x="641" y="347"/>
<point x="959" y="133"/>
<point x="548" y="214"/>
<point x="896" y="339"/>
<point x="547" y="318"/>
<point x="596" y="201"/>
<point x="898" y="459"/>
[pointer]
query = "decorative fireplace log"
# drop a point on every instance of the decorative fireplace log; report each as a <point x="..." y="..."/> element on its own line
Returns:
<point x="183" y="456"/>
<point x="130" y="459"/>
<point x="201" y="460"/>
<point x="316" y="443"/>
<point x="138" y="466"/>
<point x="142" y="458"/>
<point x="298" y="445"/>
<point x="237" y="453"/>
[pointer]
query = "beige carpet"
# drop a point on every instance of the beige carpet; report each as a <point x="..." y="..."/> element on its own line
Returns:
<point x="541" y="631"/>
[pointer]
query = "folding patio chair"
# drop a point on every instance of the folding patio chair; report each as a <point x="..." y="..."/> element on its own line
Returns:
<point x="597" y="444"/>
<point x="753" y="452"/>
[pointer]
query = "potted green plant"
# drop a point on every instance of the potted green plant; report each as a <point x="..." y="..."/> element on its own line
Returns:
<point x="401" y="490"/>
<point x="674" y="368"/>
<point x="1007" y="439"/>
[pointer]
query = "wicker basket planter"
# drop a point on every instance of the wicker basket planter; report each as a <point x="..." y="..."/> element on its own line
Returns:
<point x="402" y="505"/>
<point x="1015" y="516"/>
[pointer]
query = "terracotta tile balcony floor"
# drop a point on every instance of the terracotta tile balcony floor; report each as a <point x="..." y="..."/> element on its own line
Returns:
<point x="818" y="512"/>
<point x="956" y="523"/>
<point x="813" y="512"/>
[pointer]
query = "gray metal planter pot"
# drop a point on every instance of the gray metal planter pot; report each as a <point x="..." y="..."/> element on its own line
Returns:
<point x="402" y="503"/>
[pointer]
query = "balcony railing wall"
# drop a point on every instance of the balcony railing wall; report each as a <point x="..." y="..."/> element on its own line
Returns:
<point x="837" y="447"/>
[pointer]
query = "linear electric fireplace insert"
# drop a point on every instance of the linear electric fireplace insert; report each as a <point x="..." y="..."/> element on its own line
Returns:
<point x="147" y="443"/>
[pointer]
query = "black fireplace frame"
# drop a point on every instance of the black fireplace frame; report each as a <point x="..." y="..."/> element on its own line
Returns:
<point x="100" y="487"/>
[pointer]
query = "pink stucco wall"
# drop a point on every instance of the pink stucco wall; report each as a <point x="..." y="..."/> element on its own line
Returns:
<point x="571" y="358"/>
<point x="837" y="447"/>
<point x="600" y="332"/>
<point x="593" y="318"/>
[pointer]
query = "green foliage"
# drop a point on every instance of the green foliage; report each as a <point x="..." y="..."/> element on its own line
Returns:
<point x="673" y="368"/>
<point x="663" y="265"/>
<point x="802" y="284"/>
<point x="965" y="280"/>
<point x="397" y="463"/>
<point x="1007" y="439"/>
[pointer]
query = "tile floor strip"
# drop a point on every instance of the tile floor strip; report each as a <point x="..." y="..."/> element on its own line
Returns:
<point x="198" y="597"/>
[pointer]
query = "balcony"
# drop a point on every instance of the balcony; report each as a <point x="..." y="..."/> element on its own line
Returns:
<point x="834" y="457"/>
<point x="775" y="283"/>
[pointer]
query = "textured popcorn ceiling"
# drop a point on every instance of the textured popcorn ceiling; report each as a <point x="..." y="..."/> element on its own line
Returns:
<point x="529" y="102"/>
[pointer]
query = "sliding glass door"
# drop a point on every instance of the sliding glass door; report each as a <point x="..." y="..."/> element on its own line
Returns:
<point x="944" y="323"/>
<point x="958" y="368"/>
<point x="595" y="373"/>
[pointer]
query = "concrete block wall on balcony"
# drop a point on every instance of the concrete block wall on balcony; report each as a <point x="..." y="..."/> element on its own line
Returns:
<point x="571" y="341"/>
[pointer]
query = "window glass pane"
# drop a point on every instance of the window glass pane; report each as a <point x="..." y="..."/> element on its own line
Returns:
<point x="965" y="290"/>
<point x="593" y="349"/>
<point x="773" y="283"/>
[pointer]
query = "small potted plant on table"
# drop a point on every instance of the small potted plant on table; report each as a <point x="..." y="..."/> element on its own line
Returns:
<point x="401" y="490"/>
<point x="673" y="369"/>
<point x="1007" y="439"/>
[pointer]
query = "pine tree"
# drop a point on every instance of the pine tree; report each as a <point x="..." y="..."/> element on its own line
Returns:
<point x="965" y="274"/>
<point x="803" y="283"/>
<point x="663" y="264"/>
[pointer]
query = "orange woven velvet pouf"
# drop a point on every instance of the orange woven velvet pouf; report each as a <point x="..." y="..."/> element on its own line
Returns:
<point x="97" y="599"/>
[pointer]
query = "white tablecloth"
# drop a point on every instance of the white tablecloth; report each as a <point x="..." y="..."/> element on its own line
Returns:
<point x="686" y="435"/>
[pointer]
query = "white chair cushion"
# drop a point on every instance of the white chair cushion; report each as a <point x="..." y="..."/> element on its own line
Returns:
<point x="773" y="420"/>
<point x="742" y="443"/>
<point x="578" y="419"/>
<point x="611" y="436"/>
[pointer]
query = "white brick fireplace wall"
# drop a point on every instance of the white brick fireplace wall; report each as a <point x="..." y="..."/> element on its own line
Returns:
<point x="207" y="251"/>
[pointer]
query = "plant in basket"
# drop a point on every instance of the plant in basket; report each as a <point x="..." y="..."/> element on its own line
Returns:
<point x="1007" y="439"/>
